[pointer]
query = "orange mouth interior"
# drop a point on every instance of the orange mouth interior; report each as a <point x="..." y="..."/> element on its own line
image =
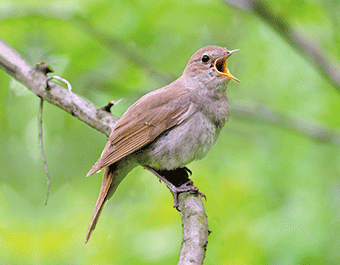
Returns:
<point x="221" y="66"/>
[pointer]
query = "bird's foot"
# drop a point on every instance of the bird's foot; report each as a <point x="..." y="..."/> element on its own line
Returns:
<point x="176" y="190"/>
<point x="187" y="186"/>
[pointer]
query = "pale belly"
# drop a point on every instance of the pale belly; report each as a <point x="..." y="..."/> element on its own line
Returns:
<point x="191" y="140"/>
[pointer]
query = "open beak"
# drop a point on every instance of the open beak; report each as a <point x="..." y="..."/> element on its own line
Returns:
<point x="221" y="66"/>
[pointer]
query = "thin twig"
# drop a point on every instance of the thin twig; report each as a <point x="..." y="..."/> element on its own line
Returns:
<point x="122" y="48"/>
<point x="41" y="130"/>
<point x="42" y="150"/>
<point x="69" y="87"/>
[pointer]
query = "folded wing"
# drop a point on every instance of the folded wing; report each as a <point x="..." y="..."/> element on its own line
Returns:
<point x="146" y="119"/>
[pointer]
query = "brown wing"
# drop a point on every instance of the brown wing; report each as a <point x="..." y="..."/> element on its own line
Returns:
<point x="143" y="122"/>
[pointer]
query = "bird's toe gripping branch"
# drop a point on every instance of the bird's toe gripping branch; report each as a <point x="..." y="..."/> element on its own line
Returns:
<point x="180" y="181"/>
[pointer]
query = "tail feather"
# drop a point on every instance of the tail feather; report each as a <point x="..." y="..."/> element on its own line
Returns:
<point x="113" y="176"/>
<point x="96" y="168"/>
<point x="103" y="196"/>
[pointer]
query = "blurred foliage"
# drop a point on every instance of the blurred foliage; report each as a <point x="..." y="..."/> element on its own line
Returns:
<point x="273" y="194"/>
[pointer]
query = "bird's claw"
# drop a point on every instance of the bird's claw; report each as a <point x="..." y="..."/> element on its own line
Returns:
<point x="185" y="187"/>
<point x="188" y="186"/>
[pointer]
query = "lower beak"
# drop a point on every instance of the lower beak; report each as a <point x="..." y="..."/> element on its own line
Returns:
<point x="221" y="66"/>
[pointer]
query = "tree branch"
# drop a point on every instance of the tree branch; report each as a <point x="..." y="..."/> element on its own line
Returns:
<point x="34" y="79"/>
<point x="195" y="229"/>
<point x="327" y="67"/>
<point x="259" y="113"/>
<point x="120" y="47"/>
<point x="195" y="225"/>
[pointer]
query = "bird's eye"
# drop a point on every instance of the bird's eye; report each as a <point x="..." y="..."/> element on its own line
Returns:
<point x="205" y="58"/>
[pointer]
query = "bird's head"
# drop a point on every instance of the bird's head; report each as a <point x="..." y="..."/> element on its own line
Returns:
<point x="209" y="65"/>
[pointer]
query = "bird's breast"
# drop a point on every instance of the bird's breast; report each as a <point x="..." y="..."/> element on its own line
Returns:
<point x="190" y="140"/>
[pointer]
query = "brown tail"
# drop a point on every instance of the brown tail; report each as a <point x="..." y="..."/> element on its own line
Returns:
<point x="103" y="196"/>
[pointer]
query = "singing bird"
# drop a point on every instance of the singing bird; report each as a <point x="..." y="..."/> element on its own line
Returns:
<point x="169" y="127"/>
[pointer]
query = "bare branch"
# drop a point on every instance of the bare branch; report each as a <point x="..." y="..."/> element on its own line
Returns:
<point x="327" y="67"/>
<point x="255" y="112"/>
<point x="117" y="45"/>
<point x="33" y="78"/>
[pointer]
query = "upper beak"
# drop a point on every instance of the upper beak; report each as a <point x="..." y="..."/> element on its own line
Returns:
<point x="221" y="66"/>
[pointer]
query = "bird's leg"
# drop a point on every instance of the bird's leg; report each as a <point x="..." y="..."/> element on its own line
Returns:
<point x="182" y="184"/>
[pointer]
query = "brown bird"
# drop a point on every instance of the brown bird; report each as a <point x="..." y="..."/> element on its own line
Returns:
<point x="169" y="127"/>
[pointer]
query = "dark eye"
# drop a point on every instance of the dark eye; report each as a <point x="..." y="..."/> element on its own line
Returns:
<point x="205" y="58"/>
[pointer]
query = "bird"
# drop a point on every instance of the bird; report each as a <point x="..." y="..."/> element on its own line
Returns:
<point x="168" y="128"/>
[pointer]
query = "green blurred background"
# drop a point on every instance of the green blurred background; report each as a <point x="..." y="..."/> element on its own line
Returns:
<point x="273" y="189"/>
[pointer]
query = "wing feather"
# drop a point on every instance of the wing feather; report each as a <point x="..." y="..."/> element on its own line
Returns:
<point x="146" y="119"/>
